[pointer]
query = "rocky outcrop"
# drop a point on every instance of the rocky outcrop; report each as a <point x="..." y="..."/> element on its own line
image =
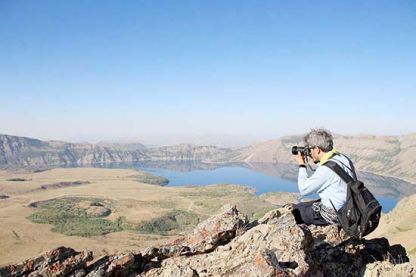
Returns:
<point x="61" y="261"/>
<point x="228" y="245"/>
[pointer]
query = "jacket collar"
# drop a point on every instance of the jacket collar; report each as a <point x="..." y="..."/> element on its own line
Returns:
<point x="327" y="156"/>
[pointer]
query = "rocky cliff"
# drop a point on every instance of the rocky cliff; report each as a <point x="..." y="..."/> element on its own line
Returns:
<point x="228" y="245"/>
<point x="27" y="152"/>
<point x="186" y="152"/>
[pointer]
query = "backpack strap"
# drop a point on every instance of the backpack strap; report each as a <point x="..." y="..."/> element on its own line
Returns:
<point x="352" y="168"/>
<point x="339" y="171"/>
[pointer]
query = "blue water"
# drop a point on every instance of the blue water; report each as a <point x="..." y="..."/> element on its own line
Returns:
<point x="387" y="203"/>
<point x="227" y="175"/>
<point x="243" y="176"/>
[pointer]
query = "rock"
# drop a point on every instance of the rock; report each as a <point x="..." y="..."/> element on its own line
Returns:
<point x="225" y="245"/>
<point x="60" y="261"/>
<point x="332" y="235"/>
<point x="271" y="249"/>
<point x="96" y="211"/>
<point x="352" y="256"/>
<point x="116" y="265"/>
<point x="386" y="268"/>
<point x="217" y="230"/>
<point x="70" y="265"/>
<point x="268" y="217"/>
<point x="280" y="247"/>
<point x="208" y="235"/>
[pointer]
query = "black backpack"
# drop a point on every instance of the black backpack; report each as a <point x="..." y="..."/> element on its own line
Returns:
<point x="360" y="215"/>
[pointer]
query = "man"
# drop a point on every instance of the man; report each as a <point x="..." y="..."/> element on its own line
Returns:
<point x="324" y="181"/>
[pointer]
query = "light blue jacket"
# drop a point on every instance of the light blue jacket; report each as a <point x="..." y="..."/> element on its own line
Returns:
<point x="326" y="182"/>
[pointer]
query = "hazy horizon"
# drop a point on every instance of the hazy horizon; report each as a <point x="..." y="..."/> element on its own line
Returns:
<point x="93" y="71"/>
<point x="224" y="140"/>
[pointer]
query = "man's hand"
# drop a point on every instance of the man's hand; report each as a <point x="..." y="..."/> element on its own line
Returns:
<point x="300" y="159"/>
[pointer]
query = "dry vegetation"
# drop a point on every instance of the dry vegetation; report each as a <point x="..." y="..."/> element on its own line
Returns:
<point x="104" y="210"/>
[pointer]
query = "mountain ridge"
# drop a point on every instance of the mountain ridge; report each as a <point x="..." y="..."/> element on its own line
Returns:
<point x="393" y="156"/>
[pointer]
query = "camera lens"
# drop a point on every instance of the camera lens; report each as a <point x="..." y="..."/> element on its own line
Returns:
<point x="300" y="149"/>
<point x="295" y="150"/>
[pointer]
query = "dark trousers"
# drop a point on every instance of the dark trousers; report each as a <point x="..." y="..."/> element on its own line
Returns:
<point x="304" y="214"/>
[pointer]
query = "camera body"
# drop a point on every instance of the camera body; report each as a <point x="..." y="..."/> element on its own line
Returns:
<point x="304" y="150"/>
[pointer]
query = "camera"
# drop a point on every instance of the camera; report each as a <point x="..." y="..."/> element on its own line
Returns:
<point x="304" y="150"/>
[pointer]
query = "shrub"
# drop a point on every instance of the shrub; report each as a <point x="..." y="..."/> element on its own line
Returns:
<point x="174" y="220"/>
<point x="148" y="178"/>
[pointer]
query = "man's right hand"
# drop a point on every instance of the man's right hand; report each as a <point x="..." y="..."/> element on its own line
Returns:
<point x="300" y="159"/>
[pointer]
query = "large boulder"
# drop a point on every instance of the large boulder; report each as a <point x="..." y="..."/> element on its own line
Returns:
<point x="273" y="249"/>
<point x="208" y="235"/>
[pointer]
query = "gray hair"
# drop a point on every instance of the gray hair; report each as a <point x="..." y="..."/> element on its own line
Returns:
<point x="321" y="138"/>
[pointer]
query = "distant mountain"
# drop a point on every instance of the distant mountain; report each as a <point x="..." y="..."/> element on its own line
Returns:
<point x="218" y="140"/>
<point x="130" y="146"/>
<point x="383" y="155"/>
<point x="187" y="152"/>
<point x="21" y="151"/>
<point x="27" y="152"/>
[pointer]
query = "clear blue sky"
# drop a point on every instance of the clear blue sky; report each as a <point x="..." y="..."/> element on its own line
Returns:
<point x="111" y="69"/>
